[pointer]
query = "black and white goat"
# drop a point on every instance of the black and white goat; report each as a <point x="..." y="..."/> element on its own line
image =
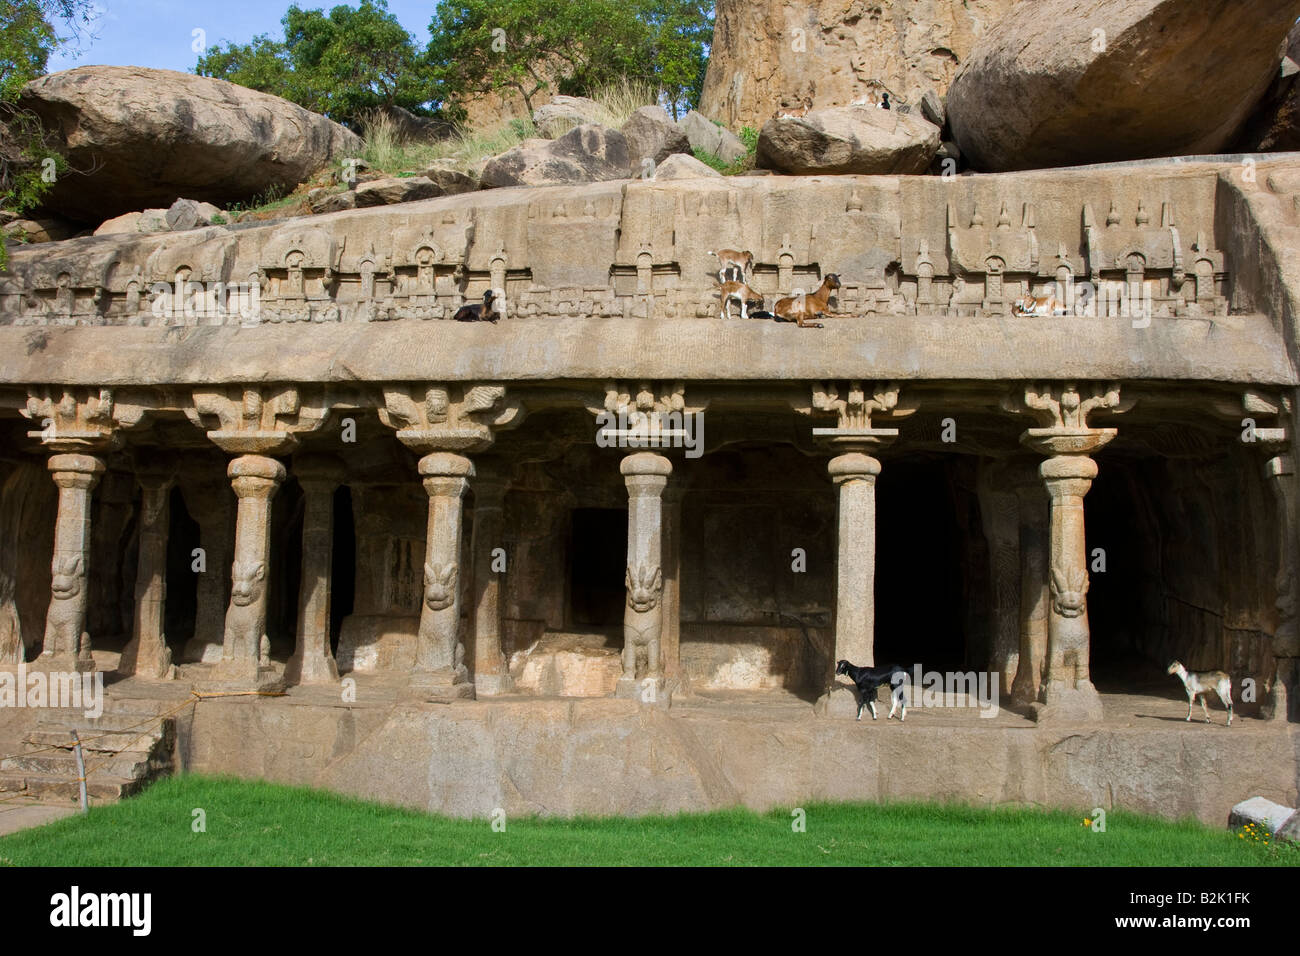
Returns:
<point x="1200" y="683"/>
<point x="479" y="313"/>
<point x="867" y="679"/>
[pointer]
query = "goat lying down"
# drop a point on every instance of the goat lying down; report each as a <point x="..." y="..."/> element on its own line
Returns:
<point x="479" y="313"/>
<point x="1041" y="305"/>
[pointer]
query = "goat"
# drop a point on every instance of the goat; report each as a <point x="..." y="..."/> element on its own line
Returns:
<point x="479" y="313"/>
<point x="730" y="259"/>
<point x="738" y="292"/>
<point x="793" y="112"/>
<point x="1041" y="305"/>
<point x="867" y="679"/>
<point x="1200" y="683"/>
<point x="802" y="309"/>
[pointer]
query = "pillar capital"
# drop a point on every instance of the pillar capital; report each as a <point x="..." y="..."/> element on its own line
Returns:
<point x="449" y="418"/>
<point x="255" y="476"/>
<point x="255" y="420"/>
<point x="76" y="471"/>
<point x="853" y="466"/>
<point x="79" y="419"/>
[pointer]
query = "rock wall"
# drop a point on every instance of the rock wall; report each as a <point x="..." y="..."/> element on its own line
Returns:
<point x="767" y="54"/>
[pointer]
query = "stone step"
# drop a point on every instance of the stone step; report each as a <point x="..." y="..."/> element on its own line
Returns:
<point x="105" y="722"/>
<point x="129" y="764"/>
<point x="96" y="742"/>
<point x="98" y="788"/>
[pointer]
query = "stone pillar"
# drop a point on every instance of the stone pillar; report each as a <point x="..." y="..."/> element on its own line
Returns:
<point x="211" y="510"/>
<point x="491" y="674"/>
<point x="245" y="655"/>
<point x="1067" y="691"/>
<point x="146" y="654"/>
<point x="439" y="655"/>
<point x="312" y="661"/>
<point x="1284" y="699"/>
<point x="67" y="645"/>
<point x="1035" y="598"/>
<point x="854" y="473"/>
<point x="670" y="642"/>
<point x="646" y="476"/>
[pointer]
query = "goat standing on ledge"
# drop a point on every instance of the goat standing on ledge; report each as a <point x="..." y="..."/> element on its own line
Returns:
<point x="732" y="261"/>
<point x="739" y="292"/>
<point x="479" y="313"/>
<point x="1200" y="684"/>
<point x="802" y="309"/>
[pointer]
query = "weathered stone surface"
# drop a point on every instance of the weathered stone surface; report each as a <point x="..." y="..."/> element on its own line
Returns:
<point x="848" y="139"/>
<point x="334" y="202"/>
<point x="146" y="137"/>
<point x="1273" y="817"/>
<point x="683" y="166"/>
<point x="653" y="135"/>
<point x="411" y="128"/>
<point x="188" y="214"/>
<point x="1044" y="89"/>
<point x="397" y="189"/>
<point x="585" y="154"/>
<point x="567" y="665"/>
<point x="42" y="229"/>
<point x="563" y="113"/>
<point x="711" y="139"/>
<point x="933" y="109"/>
<point x="770" y="54"/>
<point x="451" y="181"/>
<point x="1275" y="124"/>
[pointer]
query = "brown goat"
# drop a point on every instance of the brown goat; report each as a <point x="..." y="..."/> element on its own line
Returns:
<point x="802" y="309"/>
<point x="732" y="259"/>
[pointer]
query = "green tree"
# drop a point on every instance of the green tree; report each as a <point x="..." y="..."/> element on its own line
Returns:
<point x="28" y="36"/>
<point x="340" y="63"/>
<point x="540" y="47"/>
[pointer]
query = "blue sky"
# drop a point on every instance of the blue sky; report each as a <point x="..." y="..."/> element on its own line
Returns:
<point x="160" y="33"/>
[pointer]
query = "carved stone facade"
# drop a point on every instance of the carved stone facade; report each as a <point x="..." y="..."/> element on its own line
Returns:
<point x="350" y="491"/>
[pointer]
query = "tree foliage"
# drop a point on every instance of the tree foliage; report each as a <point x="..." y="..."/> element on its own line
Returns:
<point x="28" y="35"/>
<point x="341" y="64"/>
<point x="540" y="47"/>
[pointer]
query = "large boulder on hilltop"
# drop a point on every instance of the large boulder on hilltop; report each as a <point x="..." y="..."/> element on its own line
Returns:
<point x="137" y="138"/>
<point x="585" y="154"/>
<point x="652" y="134"/>
<point x="769" y="54"/>
<point x="1067" y="82"/>
<point x="848" y="140"/>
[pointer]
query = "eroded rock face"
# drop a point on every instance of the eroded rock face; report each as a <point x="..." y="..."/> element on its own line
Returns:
<point x="652" y="134"/>
<point x="772" y="53"/>
<point x="1275" y="125"/>
<point x="585" y="154"/>
<point x="143" y="138"/>
<point x="563" y="113"/>
<point x="849" y="139"/>
<point x="1066" y="82"/>
<point x="710" y="138"/>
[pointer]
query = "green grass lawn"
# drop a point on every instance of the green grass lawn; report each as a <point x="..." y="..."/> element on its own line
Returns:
<point x="269" y="824"/>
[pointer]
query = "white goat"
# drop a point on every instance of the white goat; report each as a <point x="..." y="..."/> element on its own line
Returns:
<point x="1200" y="684"/>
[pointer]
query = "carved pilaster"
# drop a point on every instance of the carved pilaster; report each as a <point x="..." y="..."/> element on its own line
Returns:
<point x="1067" y="440"/>
<point x="646" y="475"/>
